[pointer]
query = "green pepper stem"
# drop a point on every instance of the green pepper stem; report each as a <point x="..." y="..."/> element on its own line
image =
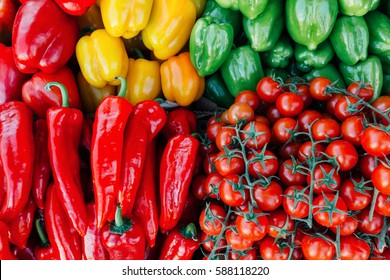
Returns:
<point x="64" y="92"/>
<point x="189" y="231"/>
<point x="118" y="216"/>
<point x="139" y="53"/>
<point x="123" y="89"/>
<point x="41" y="233"/>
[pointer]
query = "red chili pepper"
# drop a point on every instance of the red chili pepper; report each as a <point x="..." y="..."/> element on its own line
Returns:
<point x="180" y="244"/>
<point x="179" y="121"/>
<point x="86" y="134"/>
<point x="7" y="17"/>
<point x="75" y="7"/>
<point x="5" y="250"/>
<point x="176" y="170"/>
<point x="12" y="79"/>
<point x="42" y="169"/>
<point x="43" y="251"/>
<point x="64" y="127"/>
<point x="106" y="150"/>
<point x="40" y="99"/>
<point x="43" y="37"/>
<point x="20" y="228"/>
<point x="145" y="206"/>
<point x="62" y="235"/>
<point x="124" y="238"/>
<point x="93" y="248"/>
<point x="146" y="121"/>
<point x="16" y="156"/>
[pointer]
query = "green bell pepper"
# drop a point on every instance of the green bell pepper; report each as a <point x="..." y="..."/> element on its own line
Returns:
<point x="328" y="71"/>
<point x="369" y="71"/>
<point x="251" y="9"/>
<point x="314" y="58"/>
<point x="224" y="15"/>
<point x="357" y="7"/>
<point x="386" y="84"/>
<point x="242" y="70"/>
<point x="385" y="60"/>
<point x="379" y="29"/>
<point x="265" y="30"/>
<point x="210" y="44"/>
<point x="279" y="56"/>
<point x="304" y="68"/>
<point x="310" y="22"/>
<point x="216" y="91"/>
<point x="228" y="4"/>
<point x="350" y="38"/>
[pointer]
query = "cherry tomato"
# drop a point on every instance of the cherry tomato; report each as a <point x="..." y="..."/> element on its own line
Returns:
<point x="317" y="248"/>
<point x="268" y="89"/>
<point x="381" y="179"/>
<point x="289" y="150"/>
<point x="229" y="164"/>
<point x="208" y="242"/>
<point x="289" y="104"/>
<point x="382" y="204"/>
<point x="243" y="255"/>
<point x="367" y="164"/>
<point x="385" y="255"/>
<point x="262" y="164"/>
<point x="344" y="152"/>
<point x="247" y="228"/>
<point x="212" y="219"/>
<point x="240" y="112"/>
<point x="213" y="129"/>
<point x="318" y="88"/>
<point x="326" y="179"/>
<point x="355" y="193"/>
<point x="382" y="103"/>
<point x="211" y="184"/>
<point x="346" y="106"/>
<point x="271" y="250"/>
<point x="368" y="226"/>
<point x="250" y="97"/>
<point x="197" y="186"/>
<point x="304" y="92"/>
<point x="306" y="151"/>
<point x="347" y="227"/>
<point x="273" y="114"/>
<point x="306" y="118"/>
<point x="290" y="174"/>
<point x="236" y="241"/>
<point x="208" y="163"/>
<point x="226" y="138"/>
<point x="268" y="198"/>
<point x="375" y="141"/>
<point x="329" y="210"/>
<point x="331" y="103"/>
<point x="233" y="190"/>
<point x="352" y="129"/>
<point x="225" y="117"/>
<point x="325" y="128"/>
<point x="295" y="202"/>
<point x="283" y="129"/>
<point x="262" y="119"/>
<point x="353" y="248"/>
<point x="362" y="90"/>
<point x="255" y="135"/>
<point x="280" y="224"/>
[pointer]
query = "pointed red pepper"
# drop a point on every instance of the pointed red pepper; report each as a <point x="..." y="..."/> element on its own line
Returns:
<point x="179" y="121"/>
<point x="64" y="127"/>
<point x="107" y="149"/>
<point x="16" y="156"/>
<point x="5" y="250"/>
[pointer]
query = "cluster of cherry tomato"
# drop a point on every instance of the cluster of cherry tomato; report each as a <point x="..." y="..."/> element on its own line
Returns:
<point x="297" y="170"/>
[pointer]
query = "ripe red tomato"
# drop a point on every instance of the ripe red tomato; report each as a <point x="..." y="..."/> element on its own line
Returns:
<point x="262" y="119"/>
<point x="268" y="89"/>
<point x="208" y="242"/>
<point x="352" y="129"/>
<point x="368" y="226"/>
<point x="268" y="198"/>
<point x="347" y="106"/>
<point x="355" y="193"/>
<point x="347" y="227"/>
<point x="240" y="112"/>
<point x="243" y="255"/>
<point x="382" y="204"/>
<point x="280" y="224"/>
<point x="229" y="164"/>
<point x="362" y="90"/>
<point x="283" y="128"/>
<point x="329" y="210"/>
<point x="233" y="190"/>
<point x="367" y="164"/>
<point x="262" y="164"/>
<point x="353" y="248"/>
<point x="247" y="228"/>
<point x="295" y="201"/>
<point x="306" y="118"/>
<point x="291" y="174"/>
<point x="255" y="135"/>
<point x="211" y="184"/>
<point x="273" y="114"/>
<point x="197" y="186"/>
<point x="304" y="92"/>
<point x="226" y="138"/>
<point x="344" y="152"/>
<point x="208" y="163"/>
<point x="271" y="250"/>
<point x="375" y="141"/>
<point x="325" y="128"/>
<point x="213" y="129"/>
<point x="381" y="178"/>
<point x="212" y="219"/>
<point x="318" y="88"/>
<point x="250" y="97"/>
<point x="289" y="104"/>
<point x="306" y="150"/>
<point x="236" y="241"/>
<point x="331" y="103"/>
<point x="382" y="103"/>
<point x="326" y="179"/>
<point x="317" y="248"/>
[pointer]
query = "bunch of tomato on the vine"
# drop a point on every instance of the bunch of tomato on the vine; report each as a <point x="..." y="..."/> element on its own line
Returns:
<point x="297" y="170"/>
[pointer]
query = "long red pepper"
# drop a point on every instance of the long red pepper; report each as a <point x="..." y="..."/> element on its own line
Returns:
<point x="5" y="250"/>
<point x="145" y="206"/>
<point x="44" y="250"/>
<point x="106" y="150"/>
<point x="176" y="169"/>
<point x="64" y="127"/>
<point x="62" y="235"/>
<point x="42" y="169"/>
<point x="179" y="121"/>
<point x="146" y="121"/>
<point x="16" y="156"/>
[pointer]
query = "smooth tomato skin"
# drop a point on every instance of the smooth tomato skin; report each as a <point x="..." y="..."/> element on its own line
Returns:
<point x="250" y="97"/>
<point x="248" y="255"/>
<point x="323" y="218"/>
<point x="375" y="141"/>
<point x="301" y="210"/>
<point x="270" y="168"/>
<point x="367" y="164"/>
<point x="382" y="103"/>
<point x="211" y="184"/>
<point x="344" y="105"/>
<point x="282" y="129"/>
<point x="353" y="248"/>
<point x="229" y="195"/>
<point x="347" y="227"/>
<point x="362" y="90"/>
<point x="217" y="218"/>
<point x="255" y="135"/>
<point x="268" y="89"/>
<point x="262" y="119"/>
<point x="250" y="230"/>
<point x="225" y="167"/>
<point x="209" y="163"/>
<point x="306" y="149"/>
<point x="331" y="103"/>
<point x="354" y="197"/>
<point x="236" y="241"/>
<point x="208" y="242"/>
<point x="278" y="220"/>
<point x="306" y="118"/>
<point x="325" y="128"/>
<point x="225" y="138"/>
<point x="321" y="185"/>
<point x="382" y="204"/>
<point x="352" y="129"/>
<point x="213" y="129"/>
<point x="270" y="250"/>
<point x="367" y="226"/>
<point x="240" y="112"/>
<point x="288" y="176"/>
<point x="318" y="88"/>
<point x="289" y="150"/>
<point x="316" y="248"/>
<point x="385" y="255"/>
<point x="273" y="114"/>
<point x="289" y="104"/>
<point x="197" y="187"/>
<point x="304" y="92"/>
<point x="344" y="152"/>
<point x="381" y="179"/>
<point x="269" y="198"/>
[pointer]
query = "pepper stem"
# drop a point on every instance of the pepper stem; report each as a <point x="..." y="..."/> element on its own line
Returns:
<point x="121" y="224"/>
<point x="189" y="232"/>
<point x="118" y="216"/>
<point x="64" y="92"/>
<point x="139" y="53"/>
<point x="41" y="233"/>
<point x="123" y="89"/>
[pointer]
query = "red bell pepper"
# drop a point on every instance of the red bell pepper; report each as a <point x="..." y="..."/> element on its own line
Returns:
<point x="180" y="244"/>
<point x="7" y="17"/>
<point x="39" y="99"/>
<point x="179" y="121"/>
<point x="16" y="156"/>
<point x="146" y="121"/>
<point x="19" y="229"/>
<point x="124" y="238"/>
<point x="43" y="250"/>
<point x="12" y="79"/>
<point x="42" y="169"/>
<point x="106" y="150"/>
<point x="64" y="127"/>
<point x="62" y="235"/>
<point x="43" y="37"/>
<point x="75" y="7"/>
<point x="5" y="250"/>
<point x="176" y="170"/>
<point x="93" y="248"/>
<point x="145" y="206"/>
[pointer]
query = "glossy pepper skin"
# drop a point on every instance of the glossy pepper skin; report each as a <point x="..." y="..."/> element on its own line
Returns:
<point x="145" y="205"/>
<point x="12" y="79"/>
<point x="143" y="80"/>
<point x="264" y="30"/>
<point x="124" y="238"/>
<point x="43" y="250"/>
<point x="57" y="35"/>
<point x="63" y="237"/>
<point x="180" y="244"/>
<point x="279" y="55"/>
<point x="64" y="130"/>
<point x="310" y="22"/>
<point x="350" y="39"/>
<point x="179" y="121"/>
<point x="176" y="170"/>
<point x="7" y="16"/>
<point x="143" y="125"/>
<point x="229" y="4"/>
<point x="217" y="92"/>
<point x="39" y="99"/>
<point x="169" y="27"/>
<point x="75" y="7"/>
<point x="317" y="58"/>
<point x="357" y="7"/>
<point x="210" y="44"/>
<point x="5" y="250"/>
<point x="101" y="57"/>
<point x="180" y="81"/>
<point x="17" y="157"/>
<point x="106" y="151"/>
<point x="379" y="29"/>
<point x="242" y="70"/>
<point x="125" y="18"/>
<point x="369" y="71"/>
<point x="252" y="9"/>
<point x="328" y="71"/>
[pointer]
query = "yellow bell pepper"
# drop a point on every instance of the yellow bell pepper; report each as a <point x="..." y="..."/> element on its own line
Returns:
<point x="180" y="81"/>
<point x="91" y="96"/>
<point x="102" y="57"/>
<point x="143" y="80"/>
<point x="124" y="18"/>
<point x="169" y="27"/>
